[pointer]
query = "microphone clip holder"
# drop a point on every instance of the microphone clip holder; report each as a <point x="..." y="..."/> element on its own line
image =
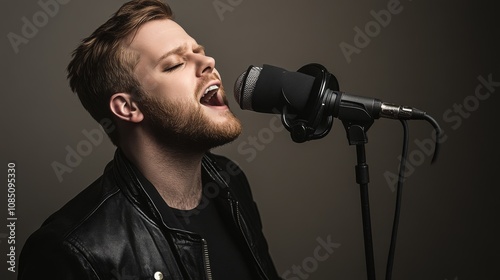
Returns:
<point x="317" y="120"/>
<point x="301" y="130"/>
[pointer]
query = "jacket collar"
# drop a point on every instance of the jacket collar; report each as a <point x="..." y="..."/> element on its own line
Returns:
<point x="134" y="185"/>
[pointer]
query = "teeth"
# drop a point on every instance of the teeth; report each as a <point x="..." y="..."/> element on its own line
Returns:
<point x="210" y="88"/>
<point x="210" y="92"/>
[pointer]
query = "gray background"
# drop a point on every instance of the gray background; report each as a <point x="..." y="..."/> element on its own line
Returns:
<point x="429" y="56"/>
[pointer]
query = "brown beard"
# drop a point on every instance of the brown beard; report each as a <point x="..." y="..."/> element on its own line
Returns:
<point x="185" y="126"/>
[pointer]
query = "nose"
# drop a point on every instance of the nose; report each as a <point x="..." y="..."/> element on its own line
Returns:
<point x="205" y="65"/>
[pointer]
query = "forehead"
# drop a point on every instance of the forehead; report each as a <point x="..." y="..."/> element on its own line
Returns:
<point x="155" y="38"/>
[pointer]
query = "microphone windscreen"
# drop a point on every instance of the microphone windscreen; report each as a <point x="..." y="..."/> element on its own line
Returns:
<point x="245" y="86"/>
<point x="269" y="89"/>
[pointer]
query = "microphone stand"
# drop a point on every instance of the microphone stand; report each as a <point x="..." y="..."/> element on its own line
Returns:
<point x="356" y="116"/>
<point x="356" y="135"/>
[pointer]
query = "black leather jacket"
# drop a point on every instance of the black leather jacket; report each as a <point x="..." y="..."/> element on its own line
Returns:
<point x="112" y="230"/>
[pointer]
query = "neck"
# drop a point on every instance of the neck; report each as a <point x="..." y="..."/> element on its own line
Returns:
<point x="175" y="174"/>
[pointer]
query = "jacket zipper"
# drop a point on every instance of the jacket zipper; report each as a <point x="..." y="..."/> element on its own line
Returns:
<point x="245" y="237"/>
<point x="206" y="259"/>
<point x="238" y="220"/>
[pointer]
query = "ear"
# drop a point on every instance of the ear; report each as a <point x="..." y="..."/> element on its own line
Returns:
<point x="125" y="108"/>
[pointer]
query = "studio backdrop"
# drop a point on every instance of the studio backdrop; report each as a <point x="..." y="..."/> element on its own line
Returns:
<point x="438" y="56"/>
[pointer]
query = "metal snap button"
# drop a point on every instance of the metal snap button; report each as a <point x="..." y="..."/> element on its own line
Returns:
<point x="158" y="275"/>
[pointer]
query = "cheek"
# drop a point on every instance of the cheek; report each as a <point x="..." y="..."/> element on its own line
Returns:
<point x="148" y="80"/>
<point x="180" y="87"/>
<point x="173" y="87"/>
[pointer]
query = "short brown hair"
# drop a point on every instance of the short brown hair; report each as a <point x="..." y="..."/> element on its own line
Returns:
<point x="101" y="66"/>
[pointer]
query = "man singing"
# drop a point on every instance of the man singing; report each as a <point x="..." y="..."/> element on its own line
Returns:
<point x="164" y="208"/>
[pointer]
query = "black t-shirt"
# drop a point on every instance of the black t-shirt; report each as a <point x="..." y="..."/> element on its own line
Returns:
<point x="226" y="258"/>
<point x="229" y="257"/>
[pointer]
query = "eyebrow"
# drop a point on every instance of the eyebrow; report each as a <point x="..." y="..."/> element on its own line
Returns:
<point x="178" y="51"/>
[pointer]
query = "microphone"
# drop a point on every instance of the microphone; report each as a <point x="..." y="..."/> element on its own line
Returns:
<point x="309" y="98"/>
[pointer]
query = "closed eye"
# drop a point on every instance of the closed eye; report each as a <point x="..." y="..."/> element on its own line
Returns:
<point x="169" y="69"/>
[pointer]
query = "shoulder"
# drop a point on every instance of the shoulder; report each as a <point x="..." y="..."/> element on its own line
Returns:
<point x="56" y="238"/>
<point x="81" y="208"/>
<point x="53" y="250"/>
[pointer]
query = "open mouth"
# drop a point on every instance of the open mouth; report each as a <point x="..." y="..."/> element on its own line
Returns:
<point x="211" y="97"/>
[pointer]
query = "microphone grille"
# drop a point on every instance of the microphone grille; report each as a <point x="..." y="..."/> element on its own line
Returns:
<point x="245" y="85"/>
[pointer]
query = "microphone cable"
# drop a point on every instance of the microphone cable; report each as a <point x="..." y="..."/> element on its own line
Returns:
<point x="399" y="188"/>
